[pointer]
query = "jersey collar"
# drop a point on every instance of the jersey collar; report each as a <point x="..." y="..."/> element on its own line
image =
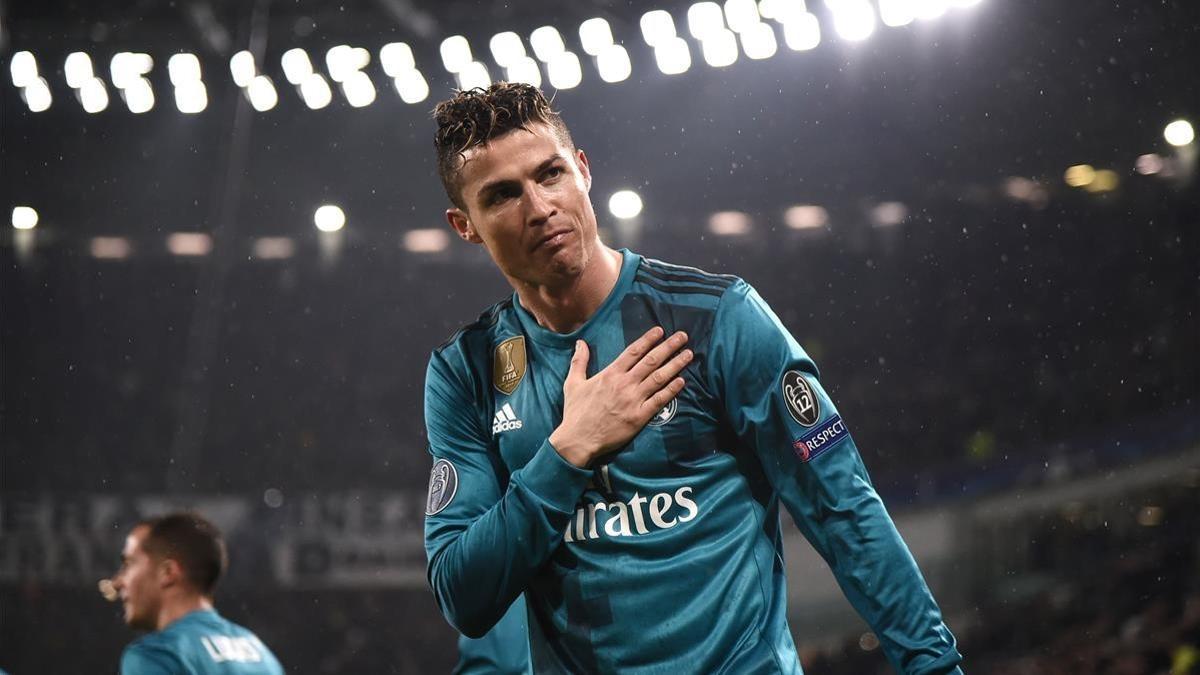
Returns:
<point x="544" y="336"/>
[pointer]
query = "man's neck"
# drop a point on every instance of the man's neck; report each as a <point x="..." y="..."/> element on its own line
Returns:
<point x="176" y="608"/>
<point x="566" y="307"/>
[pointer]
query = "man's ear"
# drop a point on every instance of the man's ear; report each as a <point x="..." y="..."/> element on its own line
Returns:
<point x="462" y="225"/>
<point x="585" y="169"/>
<point x="169" y="573"/>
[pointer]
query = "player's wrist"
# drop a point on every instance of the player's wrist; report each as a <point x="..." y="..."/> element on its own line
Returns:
<point x="571" y="448"/>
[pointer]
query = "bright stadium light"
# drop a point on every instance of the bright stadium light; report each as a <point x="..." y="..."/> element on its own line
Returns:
<point x="23" y="68"/>
<point x="927" y="10"/>
<point x="359" y="90"/>
<point x="262" y="93"/>
<point x="1179" y="133"/>
<point x="396" y="58"/>
<point x="896" y="13"/>
<point x="24" y="217"/>
<point x="673" y="56"/>
<point x="427" y="240"/>
<point x="719" y="48"/>
<point x="758" y="41"/>
<point x="525" y="69"/>
<point x="547" y="42"/>
<point x="191" y="97"/>
<point x="806" y="217"/>
<point x="126" y="68"/>
<point x="473" y="75"/>
<point x="1080" y="175"/>
<point x="78" y="69"/>
<point x="625" y="204"/>
<point x="93" y="96"/>
<point x="888" y="214"/>
<point x="316" y="92"/>
<point x="802" y="33"/>
<point x="189" y="244"/>
<point x="741" y="15"/>
<point x="613" y="64"/>
<point x="854" y="20"/>
<point x="411" y="86"/>
<point x="274" y="248"/>
<point x="37" y="95"/>
<point x="564" y="71"/>
<point x="456" y="53"/>
<point x="139" y="97"/>
<point x="329" y="218"/>
<point x="296" y="65"/>
<point x="657" y="27"/>
<point x="343" y="61"/>
<point x="241" y="66"/>
<point x="729" y="223"/>
<point x="110" y="248"/>
<point x="705" y="18"/>
<point x="507" y="48"/>
<point x="183" y="68"/>
<point x="1149" y="164"/>
<point x="596" y="35"/>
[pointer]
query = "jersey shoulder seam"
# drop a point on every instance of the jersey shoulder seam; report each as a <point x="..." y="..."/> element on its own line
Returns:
<point x="490" y="317"/>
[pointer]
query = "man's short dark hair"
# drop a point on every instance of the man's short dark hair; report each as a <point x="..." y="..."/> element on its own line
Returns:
<point x="189" y="539"/>
<point x="472" y="117"/>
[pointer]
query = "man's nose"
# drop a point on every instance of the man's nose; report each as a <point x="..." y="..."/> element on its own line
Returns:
<point x="538" y="206"/>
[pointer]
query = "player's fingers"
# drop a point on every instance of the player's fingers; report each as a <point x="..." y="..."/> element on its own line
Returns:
<point x="655" y="358"/>
<point x="663" y="375"/>
<point x="651" y="406"/>
<point x="637" y="349"/>
<point x="578" y="370"/>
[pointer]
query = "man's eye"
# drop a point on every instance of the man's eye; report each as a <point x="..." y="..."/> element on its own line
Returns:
<point x="554" y="172"/>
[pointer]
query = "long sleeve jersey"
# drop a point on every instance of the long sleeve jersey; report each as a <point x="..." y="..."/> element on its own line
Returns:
<point x="667" y="555"/>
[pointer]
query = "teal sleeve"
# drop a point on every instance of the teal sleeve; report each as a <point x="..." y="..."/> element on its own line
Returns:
<point x="779" y="410"/>
<point x="483" y="542"/>
<point x="142" y="659"/>
<point x="503" y="651"/>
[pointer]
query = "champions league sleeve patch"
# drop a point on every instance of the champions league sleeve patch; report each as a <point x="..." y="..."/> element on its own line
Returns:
<point x="443" y="485"/>
<point x="817" y="441"/>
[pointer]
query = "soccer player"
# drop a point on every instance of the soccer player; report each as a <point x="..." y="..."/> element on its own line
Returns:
<point x="504" y="650"/>
<point x="615" y="439"/>
<point x="169" y="568"/>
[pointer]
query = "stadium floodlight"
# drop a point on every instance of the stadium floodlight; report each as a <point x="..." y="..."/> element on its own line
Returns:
<point x="37" y="95"/>
<point x="274" y="248"/>
<point x="1179" y="133"/>
<point x="191" y="97"/>
<point x="473" y="75"/>
<point x="802" y="33"/>
<point x="888" y="214"/>
<point x="262" y="93"/>
<point x="329" y="218"/>
<point x="741" y="15"/>
<point x="596" y="35"/>
<point x="359" y="90"/>
<point x="456" y="53"/>
<point x="625" y="204"/>
<point x="564" y="71"/>
<point x="23" y="68"/>
<point x="127" y="67"/>
<point x="781" y="10"/>
<point x="78" y="69"/>
<point x="613" y="64"/>
<point x="139" y="97"/>
<point x="525" y="70"/>
<point x="705" y="18"/>
<point x="896" y="13"/>
<point x="190" y="244"/>
<point x="241" y="66"/>
<point x="854" y="20"/>
<point x="183" y="68"/>
<point x="1149" y="164"/>
<point x="343" y="61"/>
<point x="411" y="86"/>
<point x="729" y="223"/>
<point x="673" y="56"/>
<point x="110" y="248"/>
<point x="719" y="48"/>
<point x="93" y="96"/>
<point x="657" y="27"/>
<point x="296" y="65"/>
<point x="758" y="41"/>
<point x="806" y="217"/>
<point x="507" y="48"/>
<point x="1080" y="175"/>
<point x="24" y="217"/>
<point x="316" y="92"/>
<point x="963" y="4"/>
<point x="427" y="240"/>
<point x="396" y="58"/>
<point x="547" y="42"/>
<point x="929" y="9"/>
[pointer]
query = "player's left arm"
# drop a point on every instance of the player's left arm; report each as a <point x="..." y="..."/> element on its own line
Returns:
<point x="779" y="410"/>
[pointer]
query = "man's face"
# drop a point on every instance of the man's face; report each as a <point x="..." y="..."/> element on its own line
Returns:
<point x="526" y="197"/>
<point x="138" y="583"/>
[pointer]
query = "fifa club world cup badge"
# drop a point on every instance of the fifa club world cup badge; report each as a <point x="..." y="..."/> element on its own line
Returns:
<point x="509" y="364"/>
<point x="800" y="399"/>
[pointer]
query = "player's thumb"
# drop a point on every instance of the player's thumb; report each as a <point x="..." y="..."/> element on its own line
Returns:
<point x="579" y="360"/>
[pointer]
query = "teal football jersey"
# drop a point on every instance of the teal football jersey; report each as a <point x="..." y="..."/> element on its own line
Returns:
<point x="200" y="643"/>
<point x="503" y="651"/>
<point x="667" y="556"/>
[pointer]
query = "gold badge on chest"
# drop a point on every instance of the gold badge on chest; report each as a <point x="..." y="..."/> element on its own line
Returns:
<point x="509" y="364"/>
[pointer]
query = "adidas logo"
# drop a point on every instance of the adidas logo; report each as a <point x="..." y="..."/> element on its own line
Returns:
<point x="505" y="420"/>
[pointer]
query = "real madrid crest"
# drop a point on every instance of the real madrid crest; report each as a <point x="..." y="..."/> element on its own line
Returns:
<point x="665" y="415"/>
<point x="509" y="364"/>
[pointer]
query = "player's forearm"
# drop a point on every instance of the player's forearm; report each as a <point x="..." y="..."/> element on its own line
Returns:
<point x="476" y="571"/>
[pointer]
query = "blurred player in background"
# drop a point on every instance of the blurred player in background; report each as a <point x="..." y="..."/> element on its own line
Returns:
<point x="615" y="439"/>
<point x="169" y="568"/>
